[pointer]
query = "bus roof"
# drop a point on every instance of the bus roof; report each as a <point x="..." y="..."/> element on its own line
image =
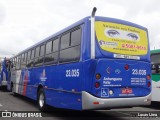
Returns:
<point x="155" y="51"/>
<point x="84" y="20"/>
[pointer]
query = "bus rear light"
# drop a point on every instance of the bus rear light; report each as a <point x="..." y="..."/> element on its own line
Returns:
<point x="97" y="85"/>
<point x="148" y="77"/>
<point x="95" y="103"/>
<point x="149" y="84"/>
<point x="126" y="67"/>
<point x="98" y="76"/>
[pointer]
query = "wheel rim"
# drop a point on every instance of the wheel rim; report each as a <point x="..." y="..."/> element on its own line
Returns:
<point x="41" y="100"/>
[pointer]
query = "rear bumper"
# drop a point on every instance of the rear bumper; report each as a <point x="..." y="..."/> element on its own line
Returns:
<point x="88" y="99"/>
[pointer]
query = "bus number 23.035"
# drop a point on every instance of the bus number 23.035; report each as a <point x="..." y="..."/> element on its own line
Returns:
<point x="72" y="73"/>
<point x="138" y="72"/>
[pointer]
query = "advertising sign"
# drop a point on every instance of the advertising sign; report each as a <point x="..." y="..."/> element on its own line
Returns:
<point x="121" y="39"/>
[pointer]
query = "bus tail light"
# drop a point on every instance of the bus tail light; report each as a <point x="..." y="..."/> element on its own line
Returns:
<point x="97" y="103"/>
<point x="98" y="76"/>
<point x="126" y="66"/>
<point x="149" y="84"/>
<point x="148" y="77"/>
<point x="97" y="85"/>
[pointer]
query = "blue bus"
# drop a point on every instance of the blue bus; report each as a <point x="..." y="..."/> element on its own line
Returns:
<point x="5" y="67"/>
<point x="96" y="63"/>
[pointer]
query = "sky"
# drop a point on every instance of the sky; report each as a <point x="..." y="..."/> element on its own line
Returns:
<point x="26" y="22"/>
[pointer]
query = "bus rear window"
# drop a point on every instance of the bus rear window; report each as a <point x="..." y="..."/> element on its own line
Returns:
<point x="155" y="58"/>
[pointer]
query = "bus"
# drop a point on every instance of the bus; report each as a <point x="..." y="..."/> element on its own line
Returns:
<point x="95" y="63"/>
<point x="4" y="72"/>
<point x="155" y="63"/>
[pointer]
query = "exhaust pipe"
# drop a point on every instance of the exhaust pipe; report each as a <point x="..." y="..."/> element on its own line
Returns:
<point x="93" y="33"/>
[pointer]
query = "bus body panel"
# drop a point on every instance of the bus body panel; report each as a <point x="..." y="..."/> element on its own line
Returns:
<point x="62" y="84"/>
<point x="115" y="77"/>
<point x="155" y="87"/>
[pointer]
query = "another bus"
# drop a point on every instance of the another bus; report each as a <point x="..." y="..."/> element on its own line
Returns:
<point x="4" y="72"/>
<point x="155" y="61"/>
<point x="96" y="63"/>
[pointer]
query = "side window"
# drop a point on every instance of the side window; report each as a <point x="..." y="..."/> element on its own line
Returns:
<point x="155" y="66"/>
<point x="14" y="64"/>
<point x="32" y="54"/>
<point x="18" y="62"/>
<point x="55" y="45"/>
<point x="49" y="47"/>
<point x="39" y="60"/>
<point x="23" y="60"/>
<point x="52" y="57"/>
<point x="42" y="50"/>
<point x="25" y="57"/>
<point x="37" y="52"/>
<point x="30" y="58"/>
<point x="76" y="37"/>
<point x="65" y="41"/>
<point x="72" y="52"/>
<point x="29" y="55"/>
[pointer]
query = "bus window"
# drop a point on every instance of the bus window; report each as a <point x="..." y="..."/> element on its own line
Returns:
<point x="23" y="61"/>
<point x="30" y="61"/>
<point x="52" y="57"/>
<point x="155" y="58"/>
<point x="29" y="55"/>
<point x="37" y="52"/>
<point x="76" y="37"/>
<point x="70" y="54"/>
<point x="18" y="63"/>
<point x="39" y="60"/>
<point x="42" y="50"/>
<point x="55" y="45"/>
<point x="49" y="47"/>
<point x="65" y="41"/>
<point x="32" y="54"/>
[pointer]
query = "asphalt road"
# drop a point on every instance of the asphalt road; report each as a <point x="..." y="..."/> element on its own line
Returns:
<point x="20" y="104"/>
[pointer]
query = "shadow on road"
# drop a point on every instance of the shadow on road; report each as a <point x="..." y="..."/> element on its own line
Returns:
<point x="3" y="89"/>
<point x="155" y="105"/>
<point x="64" y="114"/>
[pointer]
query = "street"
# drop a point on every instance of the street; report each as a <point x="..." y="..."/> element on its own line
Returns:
<point x="18" y="103"/>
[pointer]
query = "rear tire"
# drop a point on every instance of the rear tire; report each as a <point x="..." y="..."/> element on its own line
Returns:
<point x="42" y="100"/>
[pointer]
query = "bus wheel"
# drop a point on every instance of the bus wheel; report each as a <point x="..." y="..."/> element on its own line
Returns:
<point x="41" y="100"/>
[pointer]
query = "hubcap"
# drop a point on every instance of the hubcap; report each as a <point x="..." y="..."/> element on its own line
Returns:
<point x="41" y="100"/>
